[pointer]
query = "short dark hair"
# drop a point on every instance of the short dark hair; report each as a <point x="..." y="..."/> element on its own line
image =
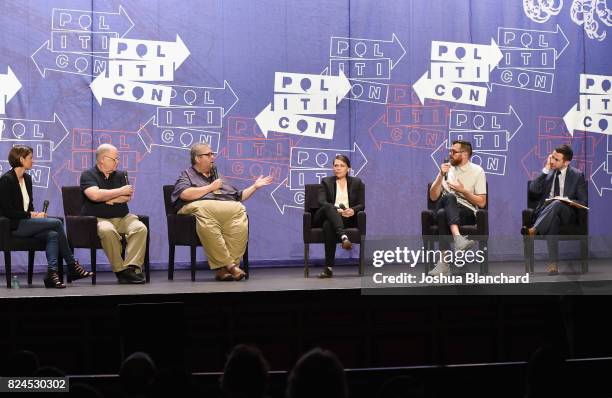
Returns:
<point x="318" y="373"/>
<point x="465" y="146"/>
<point x="245" y="373"/>
<point x="566" y="151"/>
<point x="344" y="158"/>
<point x="17" y="152"/>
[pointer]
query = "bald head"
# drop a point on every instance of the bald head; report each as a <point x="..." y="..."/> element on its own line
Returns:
<point x="103" y="150"/>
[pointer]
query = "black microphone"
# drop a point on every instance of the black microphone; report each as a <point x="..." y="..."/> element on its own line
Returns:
<point x="127" y="180"/>
<point x="446" y="174"/>
<point x="215" y="176"/>
<point x="45" y="206"/>
<point x="341" y="206"/>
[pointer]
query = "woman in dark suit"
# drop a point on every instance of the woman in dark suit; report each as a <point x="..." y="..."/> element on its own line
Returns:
<point x="340" y="198"/>
<point x="16" y="204"/>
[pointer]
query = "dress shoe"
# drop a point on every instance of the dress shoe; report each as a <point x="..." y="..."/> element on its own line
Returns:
<point x="137" y="271"/>
<point x="528" y="231"/>
<point x="237" y="273"/>
<point x="129" y="277"/>
<point x="462" y="243"/>
<point x="552" y="269"/>
<point x="327" y="273"/>
<point x="441" y="268"/>
<point x="223" y="275"/>
<point x="346" y="244"/>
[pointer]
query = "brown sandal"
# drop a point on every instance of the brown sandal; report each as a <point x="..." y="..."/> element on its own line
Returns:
<point x="237" y="273"/>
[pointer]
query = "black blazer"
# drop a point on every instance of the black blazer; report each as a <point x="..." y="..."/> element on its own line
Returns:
<point x="575" y="187"/>
<point x="11" y="200"/>
<point x="355" y="189"/>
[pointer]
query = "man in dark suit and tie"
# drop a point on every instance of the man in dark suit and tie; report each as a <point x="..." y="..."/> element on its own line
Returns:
<point x="558" y="178"/>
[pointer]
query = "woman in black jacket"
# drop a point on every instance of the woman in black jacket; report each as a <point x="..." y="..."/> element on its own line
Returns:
<point x="340" y="198"/>
<point x="17" y="205"/>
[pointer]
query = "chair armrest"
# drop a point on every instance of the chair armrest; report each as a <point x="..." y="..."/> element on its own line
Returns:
<point x="5" y="232"/>
<point x="306" y="224"/>
<point x="82" y="231"/>
<point x="361" y="222"/>
<point x="427" y="219"/>
<point x="482" y="222"/>
<point x="527" y="217"/>
<point x="144" y="219"/>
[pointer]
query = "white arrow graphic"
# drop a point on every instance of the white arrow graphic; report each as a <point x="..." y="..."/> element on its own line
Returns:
<point x="122" y="90"/>
<point x="469" y="120"/>
<point x="282" y="191"/>
<point x="76" y="63"/>
<point x="68" y="19"/>
<point x="586" y="121"/>
<point x="223" y="97"/>
<point x="323" y="158"/>
<point x="601" y="179"/>
<point x="466" y="52"/>
<point x="9" y="86"/>
<point x="142" y="50"/>
<point x="305" y="126"/>
<point x="27" y="129"/>
<point x="298" y="83"/>
<point x="449" y="91"/>
<point x="507" y="37"/>
<point x="367" y="48"/>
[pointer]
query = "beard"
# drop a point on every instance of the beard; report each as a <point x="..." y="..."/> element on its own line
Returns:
<point x="455" y="162"/>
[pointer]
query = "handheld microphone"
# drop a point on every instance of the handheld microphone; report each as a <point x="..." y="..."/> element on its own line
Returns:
<point x="127" y="180"/>
<point x="45" y="206"/>
<point x="446" y="174"/>
<point x="215" y="176"/>
<point x="341" y="206"/>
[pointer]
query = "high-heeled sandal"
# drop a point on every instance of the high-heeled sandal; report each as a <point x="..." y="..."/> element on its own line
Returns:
<point x="53" y="281"/>
<point x="78" y="272"/>
<point x="237" y="273"/>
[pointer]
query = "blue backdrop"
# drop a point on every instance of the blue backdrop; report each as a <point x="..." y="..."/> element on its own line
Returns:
<point x="56" y="49"/>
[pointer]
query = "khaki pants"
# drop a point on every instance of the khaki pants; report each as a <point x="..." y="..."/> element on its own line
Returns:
<point x="110" y="231"/>
<point x="222" y="227"/>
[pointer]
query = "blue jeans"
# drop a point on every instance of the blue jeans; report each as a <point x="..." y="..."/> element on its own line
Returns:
<point x="51" y="230"/>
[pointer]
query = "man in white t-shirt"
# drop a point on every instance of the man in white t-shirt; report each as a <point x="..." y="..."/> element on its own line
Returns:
<point x="459" y="189"/>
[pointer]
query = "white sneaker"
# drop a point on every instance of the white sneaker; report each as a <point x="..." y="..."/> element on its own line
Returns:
<point x="440" y="268"/>
<point x="462" y="243"/>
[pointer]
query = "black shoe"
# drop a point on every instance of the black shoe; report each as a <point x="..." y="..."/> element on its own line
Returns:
<point x="127" y="277"/>
<point x="137" y="271"/>
<point x="76" y="271"/>
<point x="53" y="281"/>
<point x="327" y="273"/>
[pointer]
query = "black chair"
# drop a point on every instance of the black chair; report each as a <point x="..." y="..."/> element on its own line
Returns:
<point x="82" y="231"/>
<point x="314" y="233"/>
<point x="10" y="243"/>
<point x="432" y="223"/>
<point x="579" y="232"/>
<point x="182" y="232"/>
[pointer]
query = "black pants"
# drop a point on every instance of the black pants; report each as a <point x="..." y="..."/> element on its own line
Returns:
<point x="333" y="228"/>
<point x="548" y="221"/>
<point x="454" y="213"/>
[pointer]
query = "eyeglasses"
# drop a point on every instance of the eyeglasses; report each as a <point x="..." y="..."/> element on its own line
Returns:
<point x="209" y="154"/>
<point x="115" y="160"/>
<point x="452" y="151"/>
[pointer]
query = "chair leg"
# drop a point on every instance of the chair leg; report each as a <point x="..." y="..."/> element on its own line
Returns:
<point x="584" y="254"/>
<point x="306" y="253"/>
<point x="60" y="267"/>
<point x="171" y="249"/>
<point x="7" y="268"/>
<point x="527" y="242"/>
<point x="361" y="255"/>
<point x="193" y="263"/>
<point x="147" y="262"/>
<point x="92" y="258"/>
<point x="245" y="261"/>
<point x="31" y="254"/>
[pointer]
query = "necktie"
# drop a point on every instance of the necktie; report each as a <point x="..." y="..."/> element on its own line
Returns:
<point x="556" y="187"/>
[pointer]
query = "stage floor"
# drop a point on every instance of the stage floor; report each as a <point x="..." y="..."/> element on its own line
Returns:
<point x="279" y="279"/>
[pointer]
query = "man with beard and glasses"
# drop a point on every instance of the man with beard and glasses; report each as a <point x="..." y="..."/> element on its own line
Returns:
<point x="460" y="188"/>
